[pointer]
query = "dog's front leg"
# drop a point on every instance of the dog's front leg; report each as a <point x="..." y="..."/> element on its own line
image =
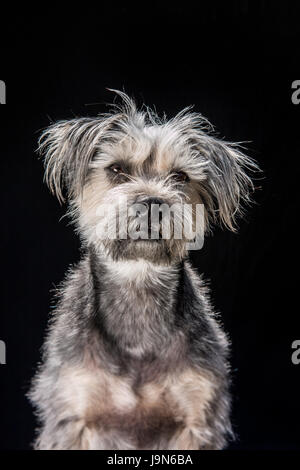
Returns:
<point x="189" y="438"/>
<point x="77" y="434"/>
<point x="192" y="394"/>
<point x="69" y="434"/>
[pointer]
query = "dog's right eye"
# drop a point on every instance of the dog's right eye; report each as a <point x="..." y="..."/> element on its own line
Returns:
<point x="117" y="173"/>
<point x="116" y="169"/>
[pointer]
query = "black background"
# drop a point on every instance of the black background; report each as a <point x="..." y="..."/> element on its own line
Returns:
<point x="236" y="62"/>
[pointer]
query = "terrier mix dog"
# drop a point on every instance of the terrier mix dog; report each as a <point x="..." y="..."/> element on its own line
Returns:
<point x="134" y="356"/>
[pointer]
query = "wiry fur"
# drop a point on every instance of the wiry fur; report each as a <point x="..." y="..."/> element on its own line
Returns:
<point x="134" y="356"/>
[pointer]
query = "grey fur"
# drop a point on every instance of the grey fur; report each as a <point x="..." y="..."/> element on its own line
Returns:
<point x="134" y="356"/>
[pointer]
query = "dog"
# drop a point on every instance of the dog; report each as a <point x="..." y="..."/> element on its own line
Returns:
<point x="135" y="357"/>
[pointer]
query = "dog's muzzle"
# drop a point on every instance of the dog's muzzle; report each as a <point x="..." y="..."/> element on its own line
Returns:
<point x="154" y="220"/>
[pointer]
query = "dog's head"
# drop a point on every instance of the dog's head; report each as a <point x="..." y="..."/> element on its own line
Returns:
<point x="112" y="166"/>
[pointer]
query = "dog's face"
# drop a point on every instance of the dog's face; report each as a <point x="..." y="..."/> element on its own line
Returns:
<point x="114" y="164"/>
<point x="136" y="170"/>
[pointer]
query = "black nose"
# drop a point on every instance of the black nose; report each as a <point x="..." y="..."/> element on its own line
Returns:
<point x="151" y="201"/>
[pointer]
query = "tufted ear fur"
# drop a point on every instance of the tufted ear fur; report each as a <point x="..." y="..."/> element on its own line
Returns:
<point x="69" y="147"/>
<point x="220" y="169"/>
<point x="227" y="184"/>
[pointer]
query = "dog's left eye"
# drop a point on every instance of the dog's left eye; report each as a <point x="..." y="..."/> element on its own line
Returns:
<point x="180" y="177"/>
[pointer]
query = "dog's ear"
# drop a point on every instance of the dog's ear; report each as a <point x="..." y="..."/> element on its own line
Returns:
<point x="227" y="185"/>
<point x="68" y="148"/>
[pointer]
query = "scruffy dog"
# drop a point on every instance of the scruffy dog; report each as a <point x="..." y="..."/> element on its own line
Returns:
<point x="134" y="356"/>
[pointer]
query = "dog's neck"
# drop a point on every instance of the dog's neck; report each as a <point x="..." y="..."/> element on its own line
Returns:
<point x="136" y="302"/>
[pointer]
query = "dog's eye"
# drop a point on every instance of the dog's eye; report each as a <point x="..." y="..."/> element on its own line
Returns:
<point x="180" y="177"/>
<point x="116" y="169"/>
<point x="117" y="173"/>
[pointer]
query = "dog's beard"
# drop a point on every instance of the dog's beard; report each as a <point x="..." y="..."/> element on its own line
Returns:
<point x="151" y="239"/>
<point x="156" y="251"/>
<point x="160" y="242"/>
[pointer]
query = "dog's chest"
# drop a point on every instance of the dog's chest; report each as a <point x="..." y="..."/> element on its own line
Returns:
<point x="97" y="394"/>
<point x="140" y="414"/>
<point x="115" y="406"/>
